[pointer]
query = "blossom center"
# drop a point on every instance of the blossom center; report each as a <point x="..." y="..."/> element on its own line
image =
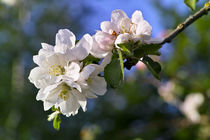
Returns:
<point x="56" y="70"/>
<point x="89" y="80"/>
<point x="64" y="93"/>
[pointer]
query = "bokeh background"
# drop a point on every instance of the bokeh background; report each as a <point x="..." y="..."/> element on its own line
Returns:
<point x="175" y="108"/>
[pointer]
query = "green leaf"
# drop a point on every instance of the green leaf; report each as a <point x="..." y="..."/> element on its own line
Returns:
<point x="154" y="67"/>
<point x="56" y="122"/>
<point x="191" y="3"/>
<point x="113" y="73"/>
<point x="147" y="49"/>
<point x="121" y="63"/>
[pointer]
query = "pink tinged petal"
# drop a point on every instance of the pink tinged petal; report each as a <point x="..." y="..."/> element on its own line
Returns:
<point x="82" y="48"/>
<point x="97" y="52"/>
<point x="109" y="27"/>
<point x="137" y="17"/>
<point x="64" y="37"/>
<point x="98" y="85"/>
<point x="72" y="71"/>
<point x="87" y="70"/>
<point x="144" y="29"/>
<point x="117" y="15"/>
<point x="122" y="38"/>
<point x="125" y="24"/>
<point x="81" y="100"/>
<point x="105" y="40"/>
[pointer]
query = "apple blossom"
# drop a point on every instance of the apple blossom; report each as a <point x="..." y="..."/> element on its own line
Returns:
<point x="120" y="30"/>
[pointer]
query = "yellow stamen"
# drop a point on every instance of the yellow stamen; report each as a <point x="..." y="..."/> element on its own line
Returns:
<point x="56" y="70"/>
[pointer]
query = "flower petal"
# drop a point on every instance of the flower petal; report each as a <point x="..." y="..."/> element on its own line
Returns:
<point x="96" y="51"/>
<point x="38" y="77"/>
<point x="109" y="27"/>
<point x="86" y="71"/>
<point x="82" y="48"/>
<point x="98" y="85"/>
<point x="137" y="17"/>
<point x="117" y="15"/>
<point x="66" y="38"/>
<point x="72" y="71"/>
<point x="81" y="100"/>
<point x="144" y="29"/>
<point x="122" y="38"/>
<point x="70" y="106"/>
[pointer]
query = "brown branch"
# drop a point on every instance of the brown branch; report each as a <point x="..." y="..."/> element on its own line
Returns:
<point x="186" y="23"/>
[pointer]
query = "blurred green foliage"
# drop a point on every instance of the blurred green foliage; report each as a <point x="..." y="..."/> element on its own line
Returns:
<point x="134" y="112"/>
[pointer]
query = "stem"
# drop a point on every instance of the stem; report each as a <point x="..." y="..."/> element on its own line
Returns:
<point x="186" y="23"/>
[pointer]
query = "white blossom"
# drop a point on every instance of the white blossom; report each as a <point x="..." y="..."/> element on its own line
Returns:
<point x="190" y="106"/>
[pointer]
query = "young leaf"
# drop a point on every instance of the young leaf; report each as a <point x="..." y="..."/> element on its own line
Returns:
<point x="113" y="73"/>
<point x="154" y="67"/>
<point x="56" y="122"/>
<point x="191" y="3"/>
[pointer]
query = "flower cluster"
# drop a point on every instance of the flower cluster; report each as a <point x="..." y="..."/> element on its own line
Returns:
<point x="64" y="80"/>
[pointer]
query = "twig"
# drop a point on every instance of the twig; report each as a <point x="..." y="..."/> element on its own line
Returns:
<point x="186" y="23"/>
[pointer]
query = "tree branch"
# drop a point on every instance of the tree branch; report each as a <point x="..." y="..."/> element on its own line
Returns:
<point x="186" y="23"/>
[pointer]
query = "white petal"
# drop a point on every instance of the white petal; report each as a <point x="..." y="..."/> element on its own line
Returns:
<point x="106" y="60"/>
<point x="47" y="105"/>
<point x="109" y="27"/>
<point x="40" y="60"/>
<point x="38" y="77"/>
<point x="70" y="106"/>
<point x="125" y="25"/>
<point x="65" y="37"/>
<point x="41" y="95"/>
<point x="137" y="17"/>
<point x="122" y="38"/>
<point x="46" y="49"/>
<point x="96" y="51"/>
<point x="117" y="15"/>
<point x="74" y="85"/>
<point x="82" y="48"/>
<point x="98" y="85"/>
<point x="72" y="71"/>
<point x="86" y="71"/>
<point x="144" y="29"/>
<point x="81" y="99"/>
<point x="89" y="94"/>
